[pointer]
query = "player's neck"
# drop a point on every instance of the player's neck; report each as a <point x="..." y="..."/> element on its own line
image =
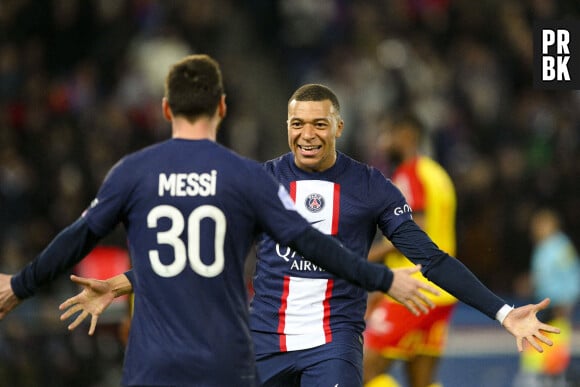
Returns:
<point x="201" y="129"/>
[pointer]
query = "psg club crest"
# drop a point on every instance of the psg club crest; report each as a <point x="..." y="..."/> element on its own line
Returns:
<point x="314" y="202"/>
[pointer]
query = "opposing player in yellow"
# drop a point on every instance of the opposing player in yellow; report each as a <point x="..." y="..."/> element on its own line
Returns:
<point x="392" y="332"/>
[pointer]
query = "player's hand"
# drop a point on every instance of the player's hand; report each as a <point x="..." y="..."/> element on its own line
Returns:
<point x="95" y="297"/>
<point x="524" y="325"/>
<point x="409" y="291"/>
<point x="8" y="299"/>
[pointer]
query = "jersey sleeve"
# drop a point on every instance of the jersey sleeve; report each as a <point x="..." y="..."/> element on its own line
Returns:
<point x="107" y="209"/>
<point x="329" y="254"/>
<point x="78" y="239"/>
<point x="393" y="208"/>
<point x="273" y="206"/>
<point x="64" y="251"/>
<point x="445" y="271"/>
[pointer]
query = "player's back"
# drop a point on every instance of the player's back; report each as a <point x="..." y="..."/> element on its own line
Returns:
<point x="191" y="210"/>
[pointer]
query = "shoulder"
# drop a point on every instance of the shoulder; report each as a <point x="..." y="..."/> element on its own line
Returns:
<point x="279" y="163"/>
<point x="365" y="182"/>
<point x="346" y="162"/>
<point x="129" y="162"/>
<point x="360" y="171"/>
<point x="146" y="153"/>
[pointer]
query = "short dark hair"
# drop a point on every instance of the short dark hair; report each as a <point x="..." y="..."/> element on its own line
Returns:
<point x="315" y="92"/>
<point x="194" y="87"/>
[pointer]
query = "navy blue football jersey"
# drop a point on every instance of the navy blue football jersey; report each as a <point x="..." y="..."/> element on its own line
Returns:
<point x="298" y="305"/>
<point x="191" y="210"/>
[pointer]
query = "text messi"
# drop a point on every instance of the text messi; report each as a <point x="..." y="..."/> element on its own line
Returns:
<point x="188" y="184"/>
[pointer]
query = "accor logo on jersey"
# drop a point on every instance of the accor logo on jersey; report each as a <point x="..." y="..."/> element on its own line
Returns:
<point x="402" y="210"/>
<point x="314" y="202"/>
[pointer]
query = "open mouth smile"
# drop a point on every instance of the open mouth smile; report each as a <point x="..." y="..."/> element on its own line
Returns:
<point x="309" y="149"/>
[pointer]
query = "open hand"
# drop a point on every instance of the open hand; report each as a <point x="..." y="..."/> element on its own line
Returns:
<point x="8" y="299"/>
<point x="409" y="290"/>
<point x="95" y="297"/>
<point x="524" y="325"/>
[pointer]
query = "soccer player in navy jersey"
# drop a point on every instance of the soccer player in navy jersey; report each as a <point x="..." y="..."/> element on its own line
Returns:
<point x="306" y="323"/>
<point x="192" y="209"/>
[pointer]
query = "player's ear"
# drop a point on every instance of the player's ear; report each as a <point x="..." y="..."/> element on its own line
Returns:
<point x="339" y="127"/>
<point x="166" y="109"/>
<point x="222" y="107"/>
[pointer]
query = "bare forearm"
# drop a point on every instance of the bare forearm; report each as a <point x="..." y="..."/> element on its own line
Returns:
<point x="120" y="285"/>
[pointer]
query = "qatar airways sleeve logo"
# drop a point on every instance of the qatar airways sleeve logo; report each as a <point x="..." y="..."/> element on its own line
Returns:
<point x="402" y="210"/>
<point x="297" y="262"/>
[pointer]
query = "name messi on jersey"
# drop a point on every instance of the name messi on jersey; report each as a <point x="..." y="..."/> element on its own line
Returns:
<point x="188" y="184"/>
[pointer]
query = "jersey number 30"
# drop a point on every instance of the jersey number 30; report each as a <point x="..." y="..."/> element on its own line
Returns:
<point x="192" y="250"/>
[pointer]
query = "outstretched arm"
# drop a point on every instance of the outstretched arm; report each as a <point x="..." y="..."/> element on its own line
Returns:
<point x="399" y="284"/>
<point x="458" y="280"/>
<point x="65" y="250"/>
<point x="95" y="297"/>
<point x="384" y="246"/>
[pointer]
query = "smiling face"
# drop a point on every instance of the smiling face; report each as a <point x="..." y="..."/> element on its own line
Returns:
<point x="313" y="127"/>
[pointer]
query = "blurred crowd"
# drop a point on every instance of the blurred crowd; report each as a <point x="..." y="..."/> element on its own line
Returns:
<point x="81" y="83"/>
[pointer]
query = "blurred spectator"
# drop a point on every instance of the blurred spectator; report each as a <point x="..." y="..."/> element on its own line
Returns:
<point x="555" y="273"/>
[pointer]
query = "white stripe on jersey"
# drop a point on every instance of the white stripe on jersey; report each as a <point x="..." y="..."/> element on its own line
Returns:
<point x="305" y="313"/>
<point x="305" y="310"/>
<point x="318" y="202"/>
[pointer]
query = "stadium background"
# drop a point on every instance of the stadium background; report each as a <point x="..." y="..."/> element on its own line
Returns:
<point x="81" y="82"/>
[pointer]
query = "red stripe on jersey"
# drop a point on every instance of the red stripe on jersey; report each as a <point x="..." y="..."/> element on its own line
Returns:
<point x="407" y="179"/>
<point x="282" y="313"/>
<point x="326" y="322"/>
<point x="293" y="191"/>
<point x="335" y="209"/>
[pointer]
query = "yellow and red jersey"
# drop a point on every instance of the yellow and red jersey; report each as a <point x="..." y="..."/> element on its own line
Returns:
<point x="430" y="191"/>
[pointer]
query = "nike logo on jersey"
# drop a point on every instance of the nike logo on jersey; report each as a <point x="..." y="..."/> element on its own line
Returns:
<point x="318" y="201"/>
